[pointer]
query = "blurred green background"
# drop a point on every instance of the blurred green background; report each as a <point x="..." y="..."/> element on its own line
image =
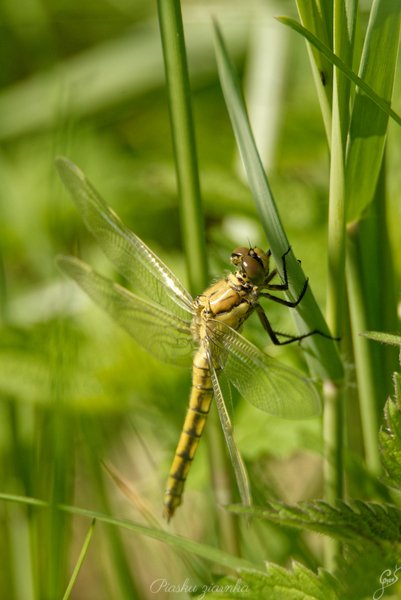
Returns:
<point x="86" y="80"/>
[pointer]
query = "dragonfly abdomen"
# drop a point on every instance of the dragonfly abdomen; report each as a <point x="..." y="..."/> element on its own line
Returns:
<point x="195" y="419"/>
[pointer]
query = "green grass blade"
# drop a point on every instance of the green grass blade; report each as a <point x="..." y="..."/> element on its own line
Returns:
<point x="80" y="561"/>
<point x="202" y="550"/>
<point x="192" y="219"/>
<point x="323" y="358"/>
<point x="343" y="41"/>
<point x="186" y="162"/>
<point x="319" y="21"/>
<point x="368" y="127"/>
<point x="367" y="385"/>
<point x="381" y="102"/>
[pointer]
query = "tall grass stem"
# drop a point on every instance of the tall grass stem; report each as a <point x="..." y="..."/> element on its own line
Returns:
<point x="192" y="221"/>
<point x="183" y="133"/>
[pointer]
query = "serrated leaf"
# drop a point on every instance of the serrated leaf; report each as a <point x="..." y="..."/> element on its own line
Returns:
<point x="384" y="338"/>
<point x="278" y="583"/>
<point x="390" y="435"/>
<point x="360" y="571"/>
<point x="353" y="521"/>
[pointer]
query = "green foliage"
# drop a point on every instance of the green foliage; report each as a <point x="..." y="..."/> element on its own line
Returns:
<point x="380" y="102"/>
<point x="86" y="418"/>
<point x="390" y="435"/>
<point x="369" y="531"/>
<point x="328" y="363"/>
<point x="298" y="583"/>
<point x="353" y="521"/>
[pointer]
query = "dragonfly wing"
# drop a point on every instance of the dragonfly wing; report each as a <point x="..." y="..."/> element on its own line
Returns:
<point x="161" y="333"/>
<point x="260" y="379"/>
<point x="236" y="458"/>
<point x="132" y="258"/>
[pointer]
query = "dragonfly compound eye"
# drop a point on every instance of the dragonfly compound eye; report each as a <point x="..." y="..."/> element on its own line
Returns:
<point x="253" y="269"/>
<point x="238" y="254"/>
<point x="262" y="257"/>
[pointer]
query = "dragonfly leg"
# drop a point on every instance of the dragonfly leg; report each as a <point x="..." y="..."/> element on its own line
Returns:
<point x="290" y="338"/>
<point x="283" y="287"/>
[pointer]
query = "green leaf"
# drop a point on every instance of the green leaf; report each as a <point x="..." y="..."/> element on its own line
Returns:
<point x="382" y="103"/>
<point x="319" y="20"/>
<point x="390" y="435"/>
<point x="384" y="338"/>
<point x="361" y="571"/>
<point x="278" y="583"/>
<point x="368" y="127"/>
<point x="80" y="561"/>
<point x="352" y="521"/>
<point x="322" y="357"/>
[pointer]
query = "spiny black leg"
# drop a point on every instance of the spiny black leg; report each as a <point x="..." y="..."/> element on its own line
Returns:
<point x="291" y="338"/>
<point x="286" y="302"/>
<point x="280" y="286"/>
<point x="283" y="286"/>
<point x="266" y="325"/>
<point x="271" y="276"/>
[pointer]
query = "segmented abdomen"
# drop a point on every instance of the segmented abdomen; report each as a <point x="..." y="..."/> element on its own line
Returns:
<point x="195" y="419"/>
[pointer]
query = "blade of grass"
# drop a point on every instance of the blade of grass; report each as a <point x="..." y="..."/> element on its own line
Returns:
<point x="80" y="561"/>
<point x="323" y="357"/>
<point x="320" y="22"/>
<point x="369" y="123"/>
<point x="124" y="578"/>
<point x="343" y="41"/>
<point x="363" y="358"/>
<point x="209" y="553"/>
<point x="185" y="151"/>
<point x="192" y="222"/>
<point x="333" y="425"/>
<point x="382" y="103"/>
<point x="372" y="302"/>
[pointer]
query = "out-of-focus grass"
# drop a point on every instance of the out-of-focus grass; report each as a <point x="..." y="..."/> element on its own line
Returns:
<point x="85" y="80"/>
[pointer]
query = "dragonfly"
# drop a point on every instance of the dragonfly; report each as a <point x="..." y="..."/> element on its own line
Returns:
<point x="165" y="320"/>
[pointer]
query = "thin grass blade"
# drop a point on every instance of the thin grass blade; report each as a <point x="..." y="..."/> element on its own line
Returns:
<point x="80" y="561"/>
<point x="323" y="358"/>
<point x="381" y="102"/>
<point x="209" y="553"/>
<point x="368" y="128"/>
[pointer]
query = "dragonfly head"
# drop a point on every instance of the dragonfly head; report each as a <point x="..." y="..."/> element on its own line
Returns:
<point x="252" y="263"/>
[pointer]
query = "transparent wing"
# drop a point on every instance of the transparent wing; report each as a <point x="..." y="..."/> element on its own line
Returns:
<point x="132" y="258"/>
<point x="161" y="333"/>
<point x="260" y="379"/>
<point x="236" y="458"/>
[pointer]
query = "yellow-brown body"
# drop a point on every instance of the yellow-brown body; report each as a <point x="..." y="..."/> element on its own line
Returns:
<point x="229" y="300"/>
